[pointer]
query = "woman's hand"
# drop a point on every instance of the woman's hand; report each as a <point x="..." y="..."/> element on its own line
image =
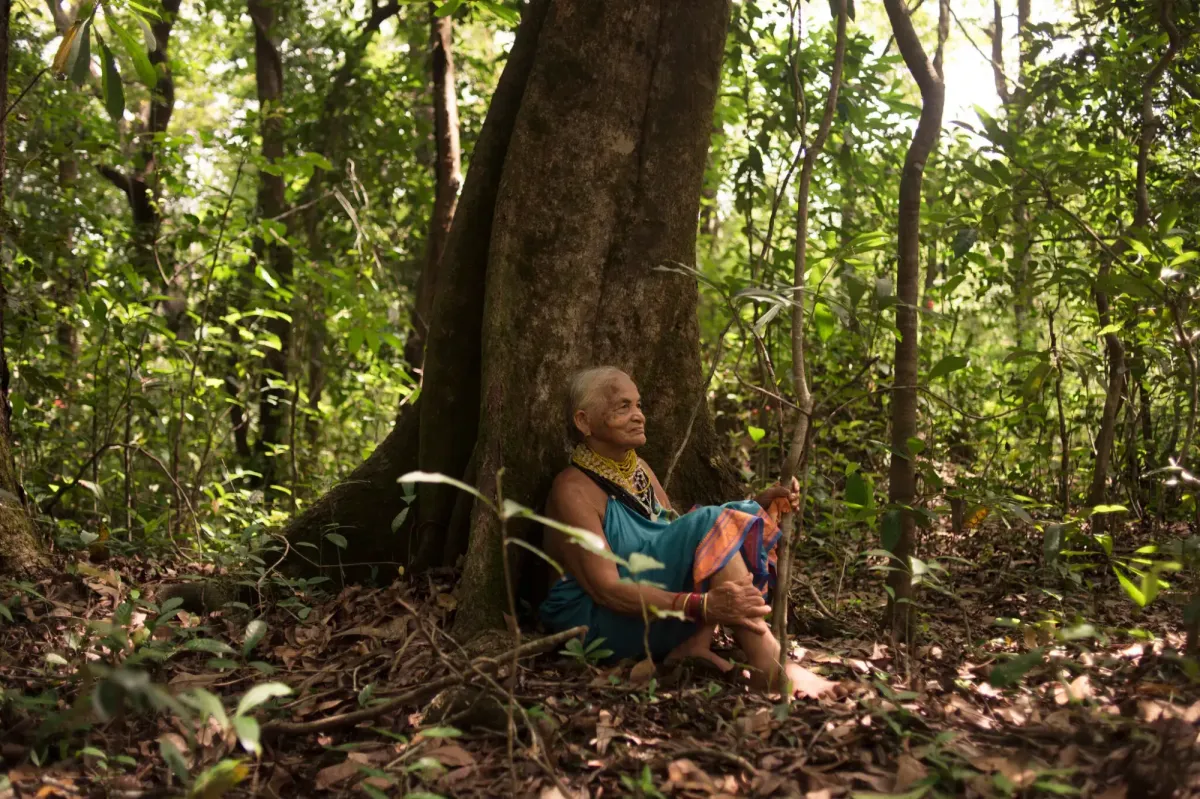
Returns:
<point x="738" y="603"/>
<point x="777" y="491"/>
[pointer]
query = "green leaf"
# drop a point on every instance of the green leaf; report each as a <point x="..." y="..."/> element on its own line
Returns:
<point x="430" y="477"/>
<point x="136" y="52"/>
<point x="757" y="434"/>
<point x="858" y="490"/>
<point x="209" y="705"/>
<point x="255" y="631"/>
<point x="337" y="539"/>
<point x="441" y="732"/>
<point x="210" y="645"/>
<point x="82" y="57"/>
<point x="265" y="276"/>
<point x="824" y="320"/>
<point x="1183" y="258"/>
<point x="511" y="16"/>
<point x="248" y="733"/>
<point x="639" y="562"/>
<point x="5" y="612"/>
<point x="1011" y="671"/>
<point x="447" y="8"/>
<point x="1099" y="509"/>
<point x="536" y="551"/>
<point x="1132" y="590"/>
<point x="148" y="37"/>
<point x="947" y="365"/>
<point x="110" y="83"/>
<point x="170" y="753"/>
<point x="1052" y="542"/>
<point x="260" y="693"/>
<point x="217" y="781"/>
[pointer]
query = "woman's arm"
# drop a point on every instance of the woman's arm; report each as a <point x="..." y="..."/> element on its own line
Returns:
<point x="570" y="504"/>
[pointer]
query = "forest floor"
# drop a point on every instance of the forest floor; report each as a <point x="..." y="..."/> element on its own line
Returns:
<point x="1070" y="700"/>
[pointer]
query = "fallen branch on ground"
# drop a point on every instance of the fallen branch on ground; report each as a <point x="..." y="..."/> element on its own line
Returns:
<point x="538" y="647"/>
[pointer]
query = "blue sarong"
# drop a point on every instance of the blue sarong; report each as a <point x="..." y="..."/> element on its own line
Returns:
<point x="693" y="548"/>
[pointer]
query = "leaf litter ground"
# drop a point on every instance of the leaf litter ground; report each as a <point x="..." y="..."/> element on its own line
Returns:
<point x="1068" y="698"/>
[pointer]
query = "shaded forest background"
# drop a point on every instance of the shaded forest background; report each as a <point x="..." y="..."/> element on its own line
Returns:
<point x="229" y="229"/>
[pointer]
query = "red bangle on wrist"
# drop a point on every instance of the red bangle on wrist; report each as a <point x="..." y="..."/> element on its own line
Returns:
<point x="693" y="607"/>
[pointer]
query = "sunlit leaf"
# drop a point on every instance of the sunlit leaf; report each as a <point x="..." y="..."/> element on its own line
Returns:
<point x="255" y="631"/>
<point x="639" y="562"/>
<point x="218" y="780"/>
<point x="1134" y="592"/>
<point x="824" y="320"/>
<point x="263" y="692"/>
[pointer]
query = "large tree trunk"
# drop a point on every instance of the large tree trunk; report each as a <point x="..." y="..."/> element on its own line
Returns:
<point x="902" y="486"/>
<point x="586" y="177"/>
<point x="601" y="186"/>
<point x="272" y="202"/>
<point x="21" y="553"/>
<point x="447" y="177"/>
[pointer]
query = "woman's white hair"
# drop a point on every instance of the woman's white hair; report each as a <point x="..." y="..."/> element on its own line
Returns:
<point x="583" y="391"/>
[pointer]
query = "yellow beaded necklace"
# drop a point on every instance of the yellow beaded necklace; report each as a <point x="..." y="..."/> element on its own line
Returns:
<point x="626" y="473"/>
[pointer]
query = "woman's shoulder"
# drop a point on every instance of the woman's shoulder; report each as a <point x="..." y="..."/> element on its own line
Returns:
<point x="571" y="481"/>
<point x="574" y="490"/>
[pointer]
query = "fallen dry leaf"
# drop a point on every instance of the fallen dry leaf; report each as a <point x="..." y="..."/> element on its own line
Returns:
<point x="757" y="722"/>
<point x="604" y="732"/>
<point x="909" y="770"/>
<point x="332" y="775"/>
<point x="642" y="672"/>
<point x="452" y="756"/>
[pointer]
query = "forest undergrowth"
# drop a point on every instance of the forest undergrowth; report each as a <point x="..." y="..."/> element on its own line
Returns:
<point x="1018" y="683"/>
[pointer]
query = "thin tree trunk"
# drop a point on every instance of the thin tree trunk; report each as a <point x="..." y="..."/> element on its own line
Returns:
<point x="272" y="202"/>
<point x="1098" y="492"/>
<point x="66" y="272"/>
<point x="804" y="400"/>
<point x="1014" y="103"/>
<point x="1064" y="475"/>
<point x="21" y="553"/>
<point x="447" y="177"/>
<point x="902" y="475"/>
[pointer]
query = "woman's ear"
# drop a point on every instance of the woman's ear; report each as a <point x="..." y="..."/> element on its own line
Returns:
<point x="582" y="424"/>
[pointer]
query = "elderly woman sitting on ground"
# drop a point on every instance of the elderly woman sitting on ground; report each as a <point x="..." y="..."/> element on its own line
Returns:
<point x="718" y="559"/>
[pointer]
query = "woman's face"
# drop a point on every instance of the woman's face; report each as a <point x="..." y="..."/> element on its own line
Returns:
<point x="617" y="418"/>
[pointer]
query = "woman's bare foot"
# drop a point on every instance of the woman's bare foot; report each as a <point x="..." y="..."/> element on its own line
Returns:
<point x="700" y="646"/>
<point x="807" y="685"/>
